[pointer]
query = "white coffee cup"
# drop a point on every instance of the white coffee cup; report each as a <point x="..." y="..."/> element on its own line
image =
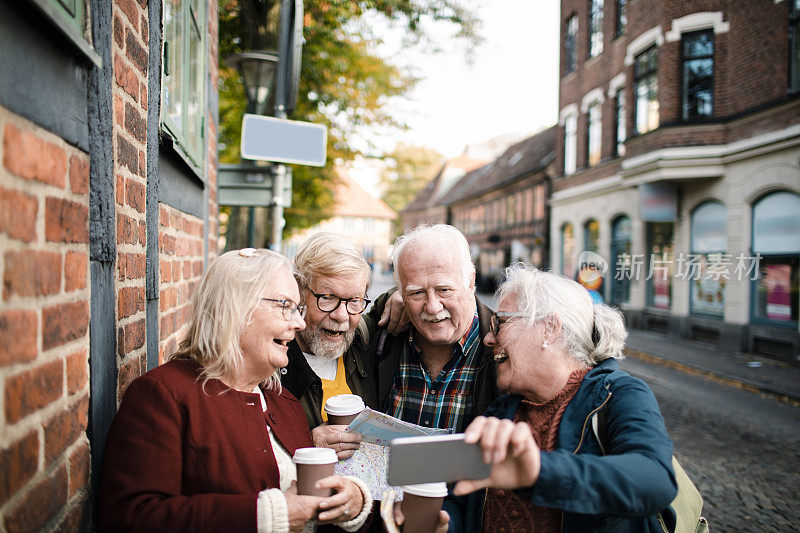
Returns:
<point x="312" y="465"/>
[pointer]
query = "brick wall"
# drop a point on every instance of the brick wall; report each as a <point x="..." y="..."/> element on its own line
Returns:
<point x="180" y="242"/>
<point x="44" y="322"/>
<point x="130" y="53"/>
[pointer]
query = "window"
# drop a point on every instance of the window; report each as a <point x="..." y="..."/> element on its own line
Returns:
<point x="571" y="45"/>
<point x="659" y="262"/>
<point x="776" y="237"/>
<point x="621" y="259"/>
<point x="71" y="12"/>
<point x="567" y="250"/>
<point x="794" y="46"/>
<point x="570" y="141"/>
<point x="591" y="236"/>
<point x="709" y="228"/>
<point x="697" y="75"/>
<point x="594" y="133"/>
<point x="510" y="210"/>
<point x="619" y="123"/>
<point x="646" y="90"/>
<point x="183" y="100"/>
<point x="538" y="202"/>
<point x="595" y="27"/>
<point x="621" y="19"/>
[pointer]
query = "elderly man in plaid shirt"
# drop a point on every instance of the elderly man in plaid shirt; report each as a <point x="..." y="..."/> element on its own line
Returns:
<point x="437" y="373"/>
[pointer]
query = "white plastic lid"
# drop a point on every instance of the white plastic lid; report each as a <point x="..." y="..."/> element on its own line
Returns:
<point x="314" y="456"/>
<point x="344" y="405"/>
<point x="428" y="490"/>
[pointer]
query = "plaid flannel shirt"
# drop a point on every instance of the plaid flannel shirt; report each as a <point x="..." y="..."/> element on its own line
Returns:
<point x="443" y="402"/>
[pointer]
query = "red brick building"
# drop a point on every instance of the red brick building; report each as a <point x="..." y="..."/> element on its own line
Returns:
<point x="108" y="216"/>
<point x="677" y="155"/>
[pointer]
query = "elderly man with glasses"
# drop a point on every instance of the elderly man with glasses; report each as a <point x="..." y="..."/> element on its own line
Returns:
<point x="327" y="358"/>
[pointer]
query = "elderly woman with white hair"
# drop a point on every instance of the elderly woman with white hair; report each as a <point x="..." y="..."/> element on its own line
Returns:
<point x="556" y="355"/>
<point x="205" y="441"/>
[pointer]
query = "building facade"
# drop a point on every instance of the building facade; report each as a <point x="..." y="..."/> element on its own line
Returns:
<point x="678" y="157"/>
<point x="108" y="216"/>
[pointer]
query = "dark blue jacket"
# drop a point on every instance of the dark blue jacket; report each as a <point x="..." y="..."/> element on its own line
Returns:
<point x="620" y="492"/>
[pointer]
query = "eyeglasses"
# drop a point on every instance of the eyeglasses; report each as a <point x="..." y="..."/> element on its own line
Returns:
<point x="328" y="303"/>
<point x="494" y="323"/>
<point x="288" y="308"/>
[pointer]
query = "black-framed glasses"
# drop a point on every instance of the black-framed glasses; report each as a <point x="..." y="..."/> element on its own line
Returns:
<point x="328" y="303"/>
<point x="494" y="323"/>
<point x="289" y="308"/>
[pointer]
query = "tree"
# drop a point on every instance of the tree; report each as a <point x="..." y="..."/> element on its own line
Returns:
<point x="409" y="169"/>
<point x="344" y="83"/>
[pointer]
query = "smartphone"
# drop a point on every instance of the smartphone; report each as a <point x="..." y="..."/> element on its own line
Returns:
<point x="434" y="458"/>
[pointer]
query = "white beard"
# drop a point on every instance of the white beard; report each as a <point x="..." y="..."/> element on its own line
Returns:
<point x="324" y="348"/>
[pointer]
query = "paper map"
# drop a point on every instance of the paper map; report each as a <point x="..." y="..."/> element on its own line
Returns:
<point x="370" y="463"/>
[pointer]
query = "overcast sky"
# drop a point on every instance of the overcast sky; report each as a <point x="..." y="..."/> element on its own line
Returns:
<point x="511" y="86"/>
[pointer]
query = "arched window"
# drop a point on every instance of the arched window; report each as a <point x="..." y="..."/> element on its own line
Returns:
<point x="591" y="235"/>
<point x="567" y="250"/>
<point x="776" y="239"/>
<point x="708" y="266"/>
<point x="621" y="259"/>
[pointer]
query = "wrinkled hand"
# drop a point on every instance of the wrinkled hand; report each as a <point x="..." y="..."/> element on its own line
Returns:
<point x="301" y="509"/>
<point x="344" y="505"/>
<point x="337" y="438"/>
<point x="394" y="315"/>
<point x="509" y="448"/>
<point x="441" y="526"/>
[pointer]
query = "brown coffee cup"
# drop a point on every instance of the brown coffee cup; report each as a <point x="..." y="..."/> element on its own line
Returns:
<point x="421" y="506"/>
<point x="312" y="465"/>
<point x="343" y="408"/>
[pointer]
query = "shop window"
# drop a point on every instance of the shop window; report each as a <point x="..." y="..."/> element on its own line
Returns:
<point x="619" y="123"/>
<point x="697" y="75"/>
<point x="571" y="45"/>
<point x="594" y="134"/>
<point x="621" y="19"/>
<point x="621" y="259"/>
<point x="182" y="95"/>
<point x="660" y="262"/>
<point x="539" y="202"/>
<point x="567" y="250"/>
<point x="707" y="268"/>
<point x="595" y="28"/>
<point x="646" y="111"/>
<point x="570" y="144"/>
<point x="591" y="236"/>
<point x="794" y="46"/>
<point x="776" y="239"/>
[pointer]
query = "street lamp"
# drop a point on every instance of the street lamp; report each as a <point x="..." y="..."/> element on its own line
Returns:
<point x="258" y="73"/>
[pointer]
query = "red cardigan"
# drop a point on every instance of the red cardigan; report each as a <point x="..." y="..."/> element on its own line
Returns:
<point x="183" y="457"/>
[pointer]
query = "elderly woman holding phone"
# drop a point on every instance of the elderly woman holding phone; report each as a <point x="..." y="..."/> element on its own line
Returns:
<point x="556" y="355"/>
<point x="205" y="441"/>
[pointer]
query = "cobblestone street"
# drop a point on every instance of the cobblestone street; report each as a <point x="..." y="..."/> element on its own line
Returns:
<point x="741" y="449"/>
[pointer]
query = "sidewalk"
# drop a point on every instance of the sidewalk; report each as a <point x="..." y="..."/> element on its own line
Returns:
<point x="759" y="374"/>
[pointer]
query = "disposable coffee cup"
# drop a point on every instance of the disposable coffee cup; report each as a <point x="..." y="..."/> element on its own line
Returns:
<point x="421" y="506"/>
<point x="343" y="408"/>
<point x="312" y="465"/>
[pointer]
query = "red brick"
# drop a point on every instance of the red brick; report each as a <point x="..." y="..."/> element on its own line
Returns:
<point x="135" y="51"/>
<point x="75" y="268"/>
<point x="142" y="232"/>
<point x="18" y="214"/>
<point x="129" y="8"/>
<point x="31" y="273"/>
<point x="166" y="271"/>
<point x="175" y="219"/>
<point x="79" y="461"/>
<point x="187" y="269"/>
<point x="64" y="323"/>
<point x="78" y="514"/>
<point x="40" y="504"/>
<point x="127" y="373"/>
<point x="143" y="25"/>
<point x="134" y="336"/>
<point x="167" y="325"/>
<point x="143" y="96"/>
<point x="135" y="123"/>
<point x="120" y="191"/>
<point x="28" y="156"/>
<point x="134" y="195"/>
<point x="18" y="464"/>
<point x="18" y="334"/>
<point x="33" y="389"/>
<point x="197" y="268"/>
<point x="126" y="229"/>
<point x="66" y="221"/>
<point x="163" y="216"/>
<point x="131" y="300"/>
<point x="127" y="155"/>
<point x="79" y="174"/>
<point x="64" y="428"/>
<point x="119" y="111"/>
<point x="125" y="78"/>
<point x="77" y="371"/>
<point x="167" y="244"/>
<point x="119" y="31"/>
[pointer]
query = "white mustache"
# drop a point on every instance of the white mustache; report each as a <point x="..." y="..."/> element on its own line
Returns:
<point x="441" y="315"/>
<point x="337" y="328"/>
